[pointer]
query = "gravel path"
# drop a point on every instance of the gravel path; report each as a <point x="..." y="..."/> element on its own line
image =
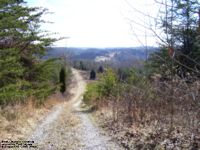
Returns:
<point x="68" y="127"/>
<point x="92" y="138"/>
<point x="42" y="130"/>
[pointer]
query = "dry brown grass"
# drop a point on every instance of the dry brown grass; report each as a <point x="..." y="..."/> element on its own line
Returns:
<point x="17" y="122"/>
<point x="54" y="100"/>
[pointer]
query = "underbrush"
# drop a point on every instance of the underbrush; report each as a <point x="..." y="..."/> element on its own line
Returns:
<point x="145" y="114"/>
<point x="152" y="135"/>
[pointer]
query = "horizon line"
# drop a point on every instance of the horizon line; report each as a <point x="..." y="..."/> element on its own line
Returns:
<point x="101" y="47"/>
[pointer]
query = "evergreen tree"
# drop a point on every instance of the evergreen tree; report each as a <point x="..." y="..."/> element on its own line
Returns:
<point x="82" y="65"/>
<point x="92" y="75"/>
<point x="180" y="23"/>
<point x="100" y="69"/>
<point x="22" y="44"/>
<point x="62" y="80"/>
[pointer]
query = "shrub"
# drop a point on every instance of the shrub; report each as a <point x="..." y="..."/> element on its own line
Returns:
<point x="91" y="94"/>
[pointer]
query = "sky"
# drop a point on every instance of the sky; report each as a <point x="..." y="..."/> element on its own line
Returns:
<point x="99" y="23"/>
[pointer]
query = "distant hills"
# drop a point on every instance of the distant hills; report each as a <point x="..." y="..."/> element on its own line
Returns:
<point x="102" y="54"/>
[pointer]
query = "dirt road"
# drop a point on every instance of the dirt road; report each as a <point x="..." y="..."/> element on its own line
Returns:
<point x="69" y="127"/>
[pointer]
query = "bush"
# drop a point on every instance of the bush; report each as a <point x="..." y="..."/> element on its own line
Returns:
<point x="108" y="82"/>
<point x="103" y="88"/>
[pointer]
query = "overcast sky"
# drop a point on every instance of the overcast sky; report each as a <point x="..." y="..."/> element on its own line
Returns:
<point x="99" y="23"/>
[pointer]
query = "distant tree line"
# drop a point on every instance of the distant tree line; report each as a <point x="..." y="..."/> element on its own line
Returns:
<point x="85" y="64"/>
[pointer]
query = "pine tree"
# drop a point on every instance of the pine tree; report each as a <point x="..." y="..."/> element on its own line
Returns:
<point x="62" y="80"/>
<point x="180" y="23"/>
<point x="22" y="44"/>
<point x="82" y="65"/>
<point x="92" y="75"/>
<point x="100" y="69"/>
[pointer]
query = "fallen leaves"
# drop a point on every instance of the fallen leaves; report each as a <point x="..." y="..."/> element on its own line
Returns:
<point x="148" y="137"/>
